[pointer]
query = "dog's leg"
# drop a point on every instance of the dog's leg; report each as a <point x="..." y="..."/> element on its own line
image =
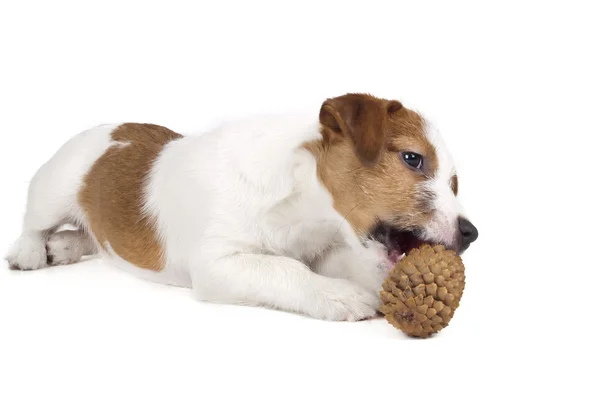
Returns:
<point x="52" y="196"/>
<point x="29" y="250"/>
<point x="45" y="213"/>
<point x="366" y="264"/>
<point x="67" y="247"/>
<point x="282" y="283"/>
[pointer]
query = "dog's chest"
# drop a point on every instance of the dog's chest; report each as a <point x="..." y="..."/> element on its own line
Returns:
<point x="304" y="224"/>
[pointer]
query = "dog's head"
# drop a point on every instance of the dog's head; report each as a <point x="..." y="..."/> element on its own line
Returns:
<point x="390" y="174"/>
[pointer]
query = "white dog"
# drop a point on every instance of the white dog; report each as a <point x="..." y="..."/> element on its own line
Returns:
<point x="303" y="214"/>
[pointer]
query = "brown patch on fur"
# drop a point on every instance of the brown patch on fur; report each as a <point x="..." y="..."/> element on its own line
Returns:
<point x="358" y="161"/>
<point x="454" y="184"/>
<point x="425" y="200"/>
<point x="113" y="194"/>
<point x="362" y="118"/>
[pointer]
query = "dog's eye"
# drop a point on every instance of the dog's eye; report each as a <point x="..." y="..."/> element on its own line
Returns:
<point x="414" y="160"/>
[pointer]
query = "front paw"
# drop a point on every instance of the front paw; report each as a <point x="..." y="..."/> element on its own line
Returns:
<point x="366" y="265"/>
<point x="347" y="301"/>
<point x="377" y="253"/>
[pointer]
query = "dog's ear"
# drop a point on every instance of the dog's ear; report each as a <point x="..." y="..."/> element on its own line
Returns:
<point x="361" y="118"/>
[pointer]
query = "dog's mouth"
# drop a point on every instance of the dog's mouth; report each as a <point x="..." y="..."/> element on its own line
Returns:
<point x="398" y="242"/>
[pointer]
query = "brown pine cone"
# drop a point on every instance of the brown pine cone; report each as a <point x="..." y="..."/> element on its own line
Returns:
<point x="422" y="292"/>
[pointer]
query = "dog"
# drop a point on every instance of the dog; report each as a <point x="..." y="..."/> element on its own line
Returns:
<point x="300" y="213"/>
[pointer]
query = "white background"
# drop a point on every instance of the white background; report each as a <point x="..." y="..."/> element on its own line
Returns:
<point x="514" y="88"/>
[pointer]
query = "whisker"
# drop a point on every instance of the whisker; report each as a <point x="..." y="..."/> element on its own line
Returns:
<point x="345" y="218"/>
<point x="349" y="171"/>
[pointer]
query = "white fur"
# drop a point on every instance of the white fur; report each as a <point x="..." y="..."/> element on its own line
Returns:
<point x="67" y="247"/>
<point x="52" y="195"/>
<point x="28" y="252"/>
<point x="444" y="224"/>
<point x="241" y="212"/>
<point x="241" y="215"/>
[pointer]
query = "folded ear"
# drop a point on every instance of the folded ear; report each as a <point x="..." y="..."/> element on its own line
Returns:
<point x="361" y="118"/>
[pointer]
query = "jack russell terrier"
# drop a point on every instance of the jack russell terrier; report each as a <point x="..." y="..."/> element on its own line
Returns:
<point x="302" y="214"/>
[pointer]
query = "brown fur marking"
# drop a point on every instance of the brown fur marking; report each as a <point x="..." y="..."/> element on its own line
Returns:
<point x="358" y="162"/>
<point x="113" y="194"/>
<point x="454" y="184"/>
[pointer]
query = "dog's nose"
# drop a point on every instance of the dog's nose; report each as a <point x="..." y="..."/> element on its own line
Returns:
<point x="468" y="232"/>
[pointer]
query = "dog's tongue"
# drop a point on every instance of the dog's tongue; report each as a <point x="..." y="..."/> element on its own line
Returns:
<point x="394" y="256"/>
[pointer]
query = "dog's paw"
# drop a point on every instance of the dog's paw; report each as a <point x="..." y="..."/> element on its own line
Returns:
<point x="64" y="248"/>
<point x="377" y="254"/>
<point x="367" y="265"/>
<point x="27" y="253"/>
<point x="347" y="301"/>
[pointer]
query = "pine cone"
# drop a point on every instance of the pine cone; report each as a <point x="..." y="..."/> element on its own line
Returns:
<point x="423" y="290"/>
